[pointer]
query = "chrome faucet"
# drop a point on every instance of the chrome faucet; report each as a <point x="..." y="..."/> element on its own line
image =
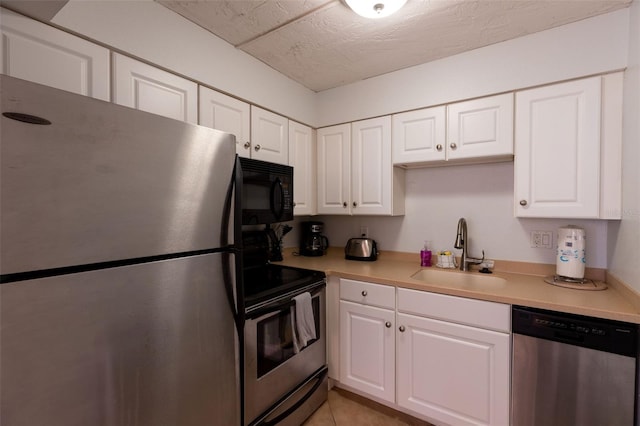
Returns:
<point x="461" y="243"/>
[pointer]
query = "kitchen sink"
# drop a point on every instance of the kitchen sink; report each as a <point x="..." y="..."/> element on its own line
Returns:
<point x="457" y="278"/>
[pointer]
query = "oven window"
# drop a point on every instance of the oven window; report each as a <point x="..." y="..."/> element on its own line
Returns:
<point x="275" y="338"/>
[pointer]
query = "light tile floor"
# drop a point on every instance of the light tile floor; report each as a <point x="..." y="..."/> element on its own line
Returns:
<point x="343" y="409"/>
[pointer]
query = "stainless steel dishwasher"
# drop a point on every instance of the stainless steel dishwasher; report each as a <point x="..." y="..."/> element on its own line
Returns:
<point x="573" y="370"/>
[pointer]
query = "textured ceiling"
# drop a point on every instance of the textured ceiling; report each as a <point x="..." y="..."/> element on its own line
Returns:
<point x="323" y="44"/>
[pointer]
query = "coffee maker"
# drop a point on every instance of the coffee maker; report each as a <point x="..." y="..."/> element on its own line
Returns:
<point x="312" y="242"/>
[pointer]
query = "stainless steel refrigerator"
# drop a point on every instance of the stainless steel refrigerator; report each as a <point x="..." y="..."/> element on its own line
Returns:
<point x="117" y="295"/>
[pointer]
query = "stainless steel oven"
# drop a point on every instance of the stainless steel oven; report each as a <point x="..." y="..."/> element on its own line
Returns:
<point x="281" y="385"/>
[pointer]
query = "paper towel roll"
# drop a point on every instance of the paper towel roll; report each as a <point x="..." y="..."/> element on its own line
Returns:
<point x="571" y="254"/>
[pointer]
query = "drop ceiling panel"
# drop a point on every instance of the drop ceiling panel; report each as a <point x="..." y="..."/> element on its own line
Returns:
<point x="323" y="44"/>
<point x="237" y="21"/>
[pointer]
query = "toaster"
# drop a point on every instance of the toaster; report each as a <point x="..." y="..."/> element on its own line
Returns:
<point x="361" y="249"/>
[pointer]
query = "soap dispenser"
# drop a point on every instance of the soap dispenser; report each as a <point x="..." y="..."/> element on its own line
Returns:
<point x="425" y="254"/>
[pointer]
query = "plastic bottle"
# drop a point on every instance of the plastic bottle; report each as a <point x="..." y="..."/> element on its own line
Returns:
<point x="425" y="254"/>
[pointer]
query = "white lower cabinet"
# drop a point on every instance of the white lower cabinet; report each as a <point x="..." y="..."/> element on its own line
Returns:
<point x="453" y="358"/>
<point x="367" y="360"/>
<point x="442" y="358"/>
<point x="367" y="338"/>
<point x="453" y="373"/>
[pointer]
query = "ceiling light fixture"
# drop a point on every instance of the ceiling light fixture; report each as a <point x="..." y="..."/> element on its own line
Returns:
<point x="375" y="9"/>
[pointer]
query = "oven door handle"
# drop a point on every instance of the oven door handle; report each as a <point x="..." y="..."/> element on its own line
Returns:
<point x="282" y="304"/>
<point x="319" y="380"/>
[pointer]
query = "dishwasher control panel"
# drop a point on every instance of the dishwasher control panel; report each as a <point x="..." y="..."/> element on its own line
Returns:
<point x="595" y="333"/>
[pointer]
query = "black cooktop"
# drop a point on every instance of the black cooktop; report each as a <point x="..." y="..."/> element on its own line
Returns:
<point x="269" y="281"/>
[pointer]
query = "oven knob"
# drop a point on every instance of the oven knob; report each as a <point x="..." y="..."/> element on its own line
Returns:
<point x="387" y="324"/>
<point x="401" y="328"/>
<point x="364" y="293"/>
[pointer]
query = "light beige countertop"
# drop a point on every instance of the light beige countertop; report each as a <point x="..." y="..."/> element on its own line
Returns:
<point x="525" y="287"/>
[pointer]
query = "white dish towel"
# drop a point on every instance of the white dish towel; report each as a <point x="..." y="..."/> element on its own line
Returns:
<point x="304" y="324"/>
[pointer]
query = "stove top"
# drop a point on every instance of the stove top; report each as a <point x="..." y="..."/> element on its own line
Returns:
<point x="267" y="281"/>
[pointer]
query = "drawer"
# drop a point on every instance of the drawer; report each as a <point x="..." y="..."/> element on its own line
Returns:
<point x="476" y="313"/>
<point x="383" y="296"/>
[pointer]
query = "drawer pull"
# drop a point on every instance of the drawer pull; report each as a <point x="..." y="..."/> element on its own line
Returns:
<point x="387" y="324"/>
<point x="401" y="328"/>
<point x="364" y="293"/>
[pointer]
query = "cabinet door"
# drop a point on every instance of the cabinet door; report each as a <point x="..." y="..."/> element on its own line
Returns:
<point x="228" y="114"/>
<point x="367" y="349"/>
<point x="302" y="157"/>
<point x="371" y="166"/>
<point x="37" y="52"/>
<point x="557" y="164"/>
<point x="270" y="136"/>
<point x="334" y="169"/>
<point x="480" y="128"/>
<point x="419" y="136"/>
<point x="453" y="373"/>
<point x="141" y="86"/>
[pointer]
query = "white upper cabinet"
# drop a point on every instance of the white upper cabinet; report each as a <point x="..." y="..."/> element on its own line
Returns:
<point x="480" y="130"/>
<point x="568" y="157"/>
<point x="228" y="114"/>
<point x="302" y="157"/>
<point x="419" y="136"/>
<point x="37" y="52"/>
<point x="144" y="87"/>
<point x="334" y="169"/>
<point x="355" y="171"/>
<point x="376" y="187"/>
<point x="269" y="136"/>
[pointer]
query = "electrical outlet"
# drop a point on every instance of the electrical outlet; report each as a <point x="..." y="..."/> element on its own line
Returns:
<point x="364" y="231"/>
<point x="542" y="239"/>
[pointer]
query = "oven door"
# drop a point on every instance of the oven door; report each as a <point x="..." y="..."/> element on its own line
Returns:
<point x="272" y="368"/>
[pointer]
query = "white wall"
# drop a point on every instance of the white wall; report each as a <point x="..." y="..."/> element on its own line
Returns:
<point x="624" y="237"/>
<point x="148" y="30"/>
<point x="483" y="194"/>
<point x="591" y="46"/>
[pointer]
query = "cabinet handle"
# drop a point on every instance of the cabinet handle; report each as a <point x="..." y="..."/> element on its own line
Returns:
<point x="355" y="204"/>
<point x="364" y="293"/>
<point x="387" y="324"/>
<point x="439" y="147"/>
<point x="257" y="148"/>
<point x="453" y="145"/>
<point x="401" y="328"/>
<point x="247" y="145"/>
<point x="523" y="203"/>
<point x="344" y="204"/>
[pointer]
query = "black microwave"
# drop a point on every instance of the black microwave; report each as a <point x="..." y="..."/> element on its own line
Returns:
<point x="266" y="192"/>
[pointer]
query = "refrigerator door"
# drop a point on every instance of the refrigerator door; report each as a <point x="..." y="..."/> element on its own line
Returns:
<point x="146" y="345"/>
<point x="104" y="182"/>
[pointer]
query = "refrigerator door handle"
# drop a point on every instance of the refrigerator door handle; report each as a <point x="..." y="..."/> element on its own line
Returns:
<point x="234" y="302"/>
